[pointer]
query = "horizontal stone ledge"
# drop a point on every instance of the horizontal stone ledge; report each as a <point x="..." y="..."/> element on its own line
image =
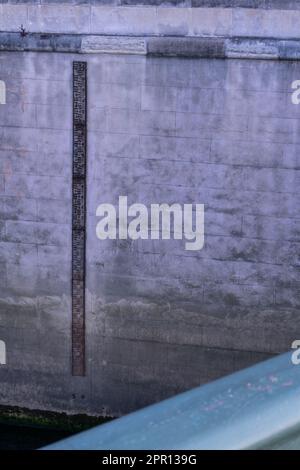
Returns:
<point x="40" y="42"/>
<point x="204" y="47"/>
<point x="114" y="45"/>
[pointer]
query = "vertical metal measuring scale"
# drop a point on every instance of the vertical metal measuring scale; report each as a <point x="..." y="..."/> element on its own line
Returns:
<point x="79" y="216"/>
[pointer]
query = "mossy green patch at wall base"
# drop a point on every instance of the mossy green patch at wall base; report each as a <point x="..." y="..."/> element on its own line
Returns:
<point x="17" y="416"/>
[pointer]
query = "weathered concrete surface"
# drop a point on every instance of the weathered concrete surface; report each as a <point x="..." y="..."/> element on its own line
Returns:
<point x="264" y="4"/>
<point x="159" y="319"/>
<point x="224" y="20"/>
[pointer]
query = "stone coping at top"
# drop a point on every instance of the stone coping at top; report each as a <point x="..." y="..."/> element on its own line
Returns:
<point x="94" y="19"/>
<point x="253" y="4"/>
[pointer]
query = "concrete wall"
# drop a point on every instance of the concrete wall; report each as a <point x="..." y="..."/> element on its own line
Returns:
<point x="219" y="132"/>
<point x="159" y="319"/>
<point x="281" y="21"/>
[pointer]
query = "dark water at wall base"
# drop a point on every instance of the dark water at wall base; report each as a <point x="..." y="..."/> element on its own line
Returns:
<point x="25" y="438"/>
<point x="23" y="428"/>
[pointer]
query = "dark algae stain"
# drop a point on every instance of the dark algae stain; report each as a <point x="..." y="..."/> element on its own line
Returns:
<point x="22" y="429"/>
